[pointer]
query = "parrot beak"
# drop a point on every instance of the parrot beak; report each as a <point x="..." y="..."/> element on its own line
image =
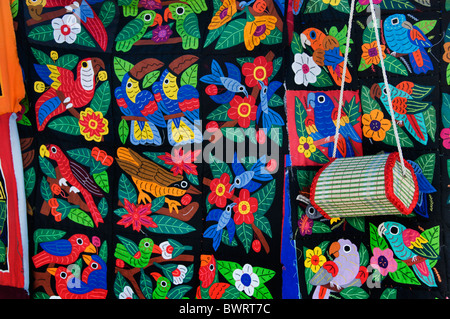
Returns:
<point x="98" y="64"/>
<point x="407" y="25"/>
<point x="167" y="15"/>
<point x="193" y="190"/>
<point x="35" y="11"/>
<point x="334" y="249"/>
<point x="90" y="249"/>
<point x="381" y="229"/>
<point x="158" y="20"/>
<point x="51" y="271"/>
<point x="311" y="100"/>
<point x="205" y="260"/>
<point x="155" y="275"/>
<point x="304" y="41"/>
<point x="87" y="259"/>
<point x="156" y="250"/>
<point x="375" y="91"/>
<point x="43" y="151"/>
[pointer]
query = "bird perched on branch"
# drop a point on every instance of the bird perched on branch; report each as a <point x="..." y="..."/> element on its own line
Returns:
<point x="134" y="100"/>
<point x="326" y="53"/>
<point x="135" y="255"/>
<point x="341" y="272"/>
<point x="408" y="105"/>
<point x="404" y="38"/>
<point x="134" y="30"/>
<point x="178" y="98"/>
<point x="152" y="178"/>
<point x="186" y="21"/>
<point x="409" y="245"/>
<point x="77" y="176"/>
<point x="324" y="123"/>
<point x="66" y="90"/>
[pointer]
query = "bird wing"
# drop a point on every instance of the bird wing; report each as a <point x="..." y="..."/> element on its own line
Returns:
<point x="128" y="244"/>
<point x="60" y="247"/>
<point x="144" y="169"/>
<point x="130" y="30"/>
<point x="417" y="37"/>
<point x="190" y="24"/>
<point x="85" y="179"/>
<point x="325" y="274"/>
<point x="418" y="244"/>
<point x="60" y="79"/>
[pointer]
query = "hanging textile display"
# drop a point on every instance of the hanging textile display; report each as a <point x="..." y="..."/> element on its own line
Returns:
<point x="136" y="106"/>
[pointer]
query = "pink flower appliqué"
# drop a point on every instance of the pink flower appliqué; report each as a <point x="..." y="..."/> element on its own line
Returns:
<point x="383" y="261"/>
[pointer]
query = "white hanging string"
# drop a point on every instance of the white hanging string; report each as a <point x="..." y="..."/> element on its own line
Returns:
<point x="386" y="84"/>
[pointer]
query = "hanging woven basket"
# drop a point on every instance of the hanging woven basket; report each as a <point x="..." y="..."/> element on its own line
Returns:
<point x="365" y="185"/>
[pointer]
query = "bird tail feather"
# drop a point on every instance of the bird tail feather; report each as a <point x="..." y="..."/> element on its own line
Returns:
<point x="423" y="271"/>
<point x="420" y="61"/>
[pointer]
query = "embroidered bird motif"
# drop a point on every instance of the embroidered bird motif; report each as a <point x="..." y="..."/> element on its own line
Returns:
<point x="65" y="90"/>
<point x="151" y="178"/>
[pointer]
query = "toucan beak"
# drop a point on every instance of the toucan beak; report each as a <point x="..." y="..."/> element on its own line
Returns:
<point x="98" y="64"/>
<point x="167" y="15"/>
<point x="334" y="249"/>
<point x="158" y="20"/>
<point x="52" y="271"/>
<point x="35" y="11"/>
<point x="193" y="190"/>
<point x="43" y="151"/>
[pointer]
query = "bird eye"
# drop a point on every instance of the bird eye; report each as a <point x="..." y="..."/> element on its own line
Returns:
<point x="211" y="267"/>
<point x="394" y="230"/>
<point x="238" y="181"/>
<point x="84" y="64"/>
<point x="228" y="209"/>
<point x="129" y="85"/>
<point x="265" y="90"/>
<point x="312" y="35"/>
<point x="184" y="184"/>
<point x="180" y="10"/>
<point x="321" y="99"/>
<point x="310" y="210"/>
<point x="79" y="241"/>
<point x="63" y="275"/>
<point x="164" y="283"/>
<point x="166" y="81"/>
<point x="148" y="17"/>
<point x="94" y="265"/>
<point x="395" y="21"/>
<point x="53" y="149"/>
<point x="347" y="248"/>
<point x="241" y="88"/>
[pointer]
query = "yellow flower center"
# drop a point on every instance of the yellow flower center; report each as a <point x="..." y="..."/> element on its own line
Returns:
<point x="244" y="207"/>
<point x="259" y="73"/>
<point x="93" y="124"/>
<point x="244" y="109"/>
<point x="220" y="190"/>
